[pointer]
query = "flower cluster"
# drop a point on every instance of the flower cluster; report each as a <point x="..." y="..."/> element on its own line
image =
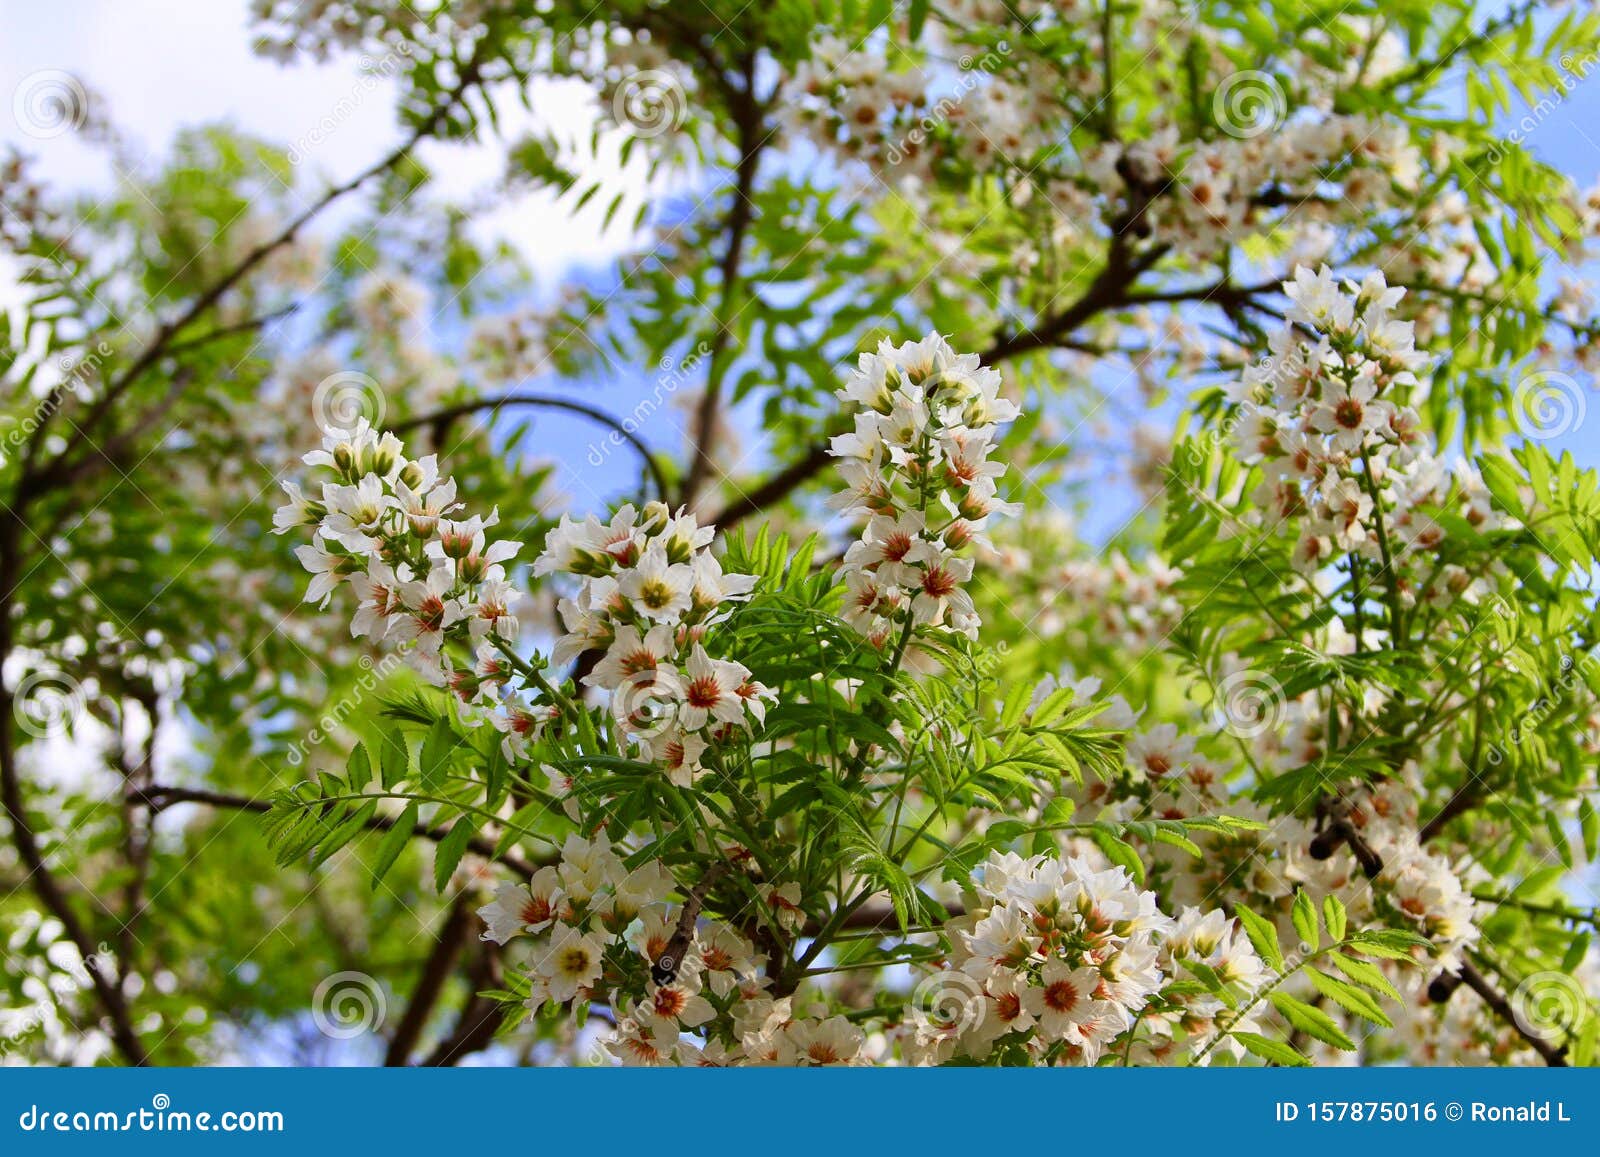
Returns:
<point x="1062" y="953"/>
<point x="1193" y="1017"/>
<point x="918" y="465"/>
<point x="1340" y="447"/>
<point x="651" y="590"/>
<point x="384" y="525"/>
<point x="682" y="991"/>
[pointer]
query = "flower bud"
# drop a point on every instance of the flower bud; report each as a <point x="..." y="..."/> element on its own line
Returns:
<point x="455" y="542"/>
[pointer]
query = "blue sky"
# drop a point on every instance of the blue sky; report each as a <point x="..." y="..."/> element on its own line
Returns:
<point x="166" y="64"/>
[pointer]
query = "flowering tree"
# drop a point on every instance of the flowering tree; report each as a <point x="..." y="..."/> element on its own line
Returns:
<point x="849" y="749"/>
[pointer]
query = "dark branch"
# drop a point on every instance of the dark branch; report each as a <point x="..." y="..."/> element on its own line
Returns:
<point x="549" y="402"/>
<point x="1470" y="976"/>
<point x="161" y="797"/>
<point x="453" y="936"/>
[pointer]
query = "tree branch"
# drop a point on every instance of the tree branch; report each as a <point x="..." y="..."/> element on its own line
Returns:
<point x="441" y="962"/>
<point x="161" y="797"/>
<point x="1475" y="980"/>
<point x="551" y="402"/>
<point x="164" y="341"/>
<point x="480" y="1016"/>
<point x="49" y="891"/>
<point x="747" y="114"/>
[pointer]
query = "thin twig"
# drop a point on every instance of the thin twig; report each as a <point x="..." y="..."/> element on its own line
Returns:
<point x="161" y="797"/>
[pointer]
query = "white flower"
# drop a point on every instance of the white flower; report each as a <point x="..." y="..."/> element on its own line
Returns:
<point x="1319" y="301"/>
<point x="834" y="1041"/>
<point x="711" y="691"/>
<point x="1160" y="752"/>
<point x="567" y="963"/>
<point x="523" y="908"/>
<point x="632" y="654"/>
<point x="658" y="589"/>
<point x="329" y="570"/>
<point x="1066" y="998"/>
<point x="1350" y="413"/>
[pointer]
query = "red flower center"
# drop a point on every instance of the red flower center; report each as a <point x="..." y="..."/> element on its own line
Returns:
<point x="938" y="583"/>
<point x="1061" y="996"/>
<point x="704" y="693"/>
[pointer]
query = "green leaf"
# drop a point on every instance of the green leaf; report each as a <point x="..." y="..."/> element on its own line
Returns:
<point x="1558" y="838"/>
<point x="1348" y="997"/>
<point x="1263" y="936"/>
<point x="1179" y="840"/>
<point x="1304" y="915"/>
<point x="1058" y="811"/>
<point x="437" y="748"/>
<point x="450" y="851"/>
<point x="1312" y="1021"/>
<point x="1389" y="943"/>
<point x="393" y="842"/>
<point x="1334" y="918"/>
<point x="359" y="767"/>
<point x="917" y="18"/>
<point x="394" y="758"/>
<point x="495" y="777"/>
<point x="1364" y="972"/>
<point x="1271" y="1050"/>
<point x="1119" y="852"/>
